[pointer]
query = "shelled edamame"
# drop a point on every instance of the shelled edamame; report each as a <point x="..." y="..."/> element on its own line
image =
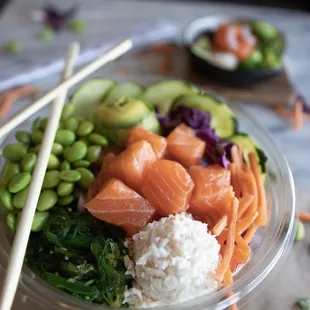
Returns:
<point x="69" y="172"/>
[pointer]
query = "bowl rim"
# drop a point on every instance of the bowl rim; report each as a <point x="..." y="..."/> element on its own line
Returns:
<point x="40" y="291"/>
<point x="188" y="40"/>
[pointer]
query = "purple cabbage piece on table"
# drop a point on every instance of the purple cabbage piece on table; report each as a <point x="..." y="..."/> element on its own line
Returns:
<point x="217" y="149"/>
<point x="299" y="97"/>
<point x="57" y="19"/>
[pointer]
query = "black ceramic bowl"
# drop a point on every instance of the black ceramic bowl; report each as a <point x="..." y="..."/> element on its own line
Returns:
<point x="236" y="77"/>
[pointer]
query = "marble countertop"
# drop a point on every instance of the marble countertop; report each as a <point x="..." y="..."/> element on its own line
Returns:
<point x="104" y="17"/>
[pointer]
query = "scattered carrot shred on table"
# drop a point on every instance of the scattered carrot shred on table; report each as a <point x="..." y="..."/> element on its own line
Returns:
<point x="11" y="96"/>
<point x="298" y="115"/>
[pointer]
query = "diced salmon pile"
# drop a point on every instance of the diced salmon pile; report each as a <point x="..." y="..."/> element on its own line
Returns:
<point x="157" y="176"/>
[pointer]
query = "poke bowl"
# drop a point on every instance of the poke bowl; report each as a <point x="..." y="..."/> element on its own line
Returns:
<point x="235" y="50"/>
<point x="44" y="281"/>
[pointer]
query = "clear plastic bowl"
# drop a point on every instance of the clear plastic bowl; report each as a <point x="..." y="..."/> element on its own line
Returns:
<point x="268" y="245"/>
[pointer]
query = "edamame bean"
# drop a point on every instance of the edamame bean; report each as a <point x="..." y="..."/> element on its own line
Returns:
<point x="37" y="123"/>
<point x="78" y="151"/>
<point x="53" y="162"/>
<point x="67" y="111"/>
<point x="70" y="176"/>
<point x="23" y="137"/>
<point x="14" y="152"/>
<point x="51" y="179"/>
<point x="81" y="164"/>
<point x="97" y="139"/>
<point x="72" y="124"/>
<point x="44" y="123"/>
<point x="37" y="136"/>
<point x="11" y="221"/>
<point x="85" y="128"/>
<point x="6" y="199"/>
<point x="47" y="200"/>
<point x="85" y="140"/>
<point x="61" y="125"/>
<point x="66" y="153"/>
<point x="28" y="162"/>
<point x="35" y="149"/>
<point x="93" y="153"/>
<point x="9" y="171"/>
<point x="65" y="188"/>
<point x="66" y="200"/>
<point x="19" y="182"/>
<point x="87" y="177"/>
<point x="65" y="165"/>
<point x="57" y="149"/>
<point x="39" y="221"/>
<point x="19" y="199"/>
<point x="65" y="137"/>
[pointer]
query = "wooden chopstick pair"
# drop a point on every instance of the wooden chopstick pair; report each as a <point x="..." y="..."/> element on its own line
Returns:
<point x="59" y="93"/>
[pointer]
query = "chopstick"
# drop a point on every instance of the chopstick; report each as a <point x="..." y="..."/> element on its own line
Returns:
<point x="24" y="227"/>
<point x="113" y="53"/>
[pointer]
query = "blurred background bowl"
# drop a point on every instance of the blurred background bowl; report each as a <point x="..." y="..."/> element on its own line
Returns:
<point x="236" y="77"/>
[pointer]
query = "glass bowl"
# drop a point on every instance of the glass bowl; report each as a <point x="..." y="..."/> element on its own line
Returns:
<point x="268" y="246"/>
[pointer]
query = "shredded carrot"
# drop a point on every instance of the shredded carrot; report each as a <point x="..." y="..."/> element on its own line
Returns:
<point x="262" y="204"/>
<point x="8" y="100"/>
<point x="246" y="222"/>
<point x="235" y="155"/>
<point x="245" y="202"/>
<point x="304" y="216"/>
<point x="298" y="114"/>
<point x="234" y="179"/>
<point x="229" y="281"/>
<point x="230" y="242"/>
<point x="158" y="48"/>
<point x="250" y="233"/>
<point x="23" y="91"/>
<point x="220" y="226"/>
<point x="242" y="245"/>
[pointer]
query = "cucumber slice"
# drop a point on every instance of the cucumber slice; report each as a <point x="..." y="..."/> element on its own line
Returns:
<point x="120" y="136"/>
<point x="162" y="94"/>
<point x="223" y="120"/>
<point x="250" y="146"/>
<point x="88" y="96"/>
<point x="130" y="90"/>
<point x="126" y="113"/>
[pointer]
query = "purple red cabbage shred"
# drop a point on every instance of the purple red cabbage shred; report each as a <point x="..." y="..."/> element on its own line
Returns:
<point x="217" y="149"/>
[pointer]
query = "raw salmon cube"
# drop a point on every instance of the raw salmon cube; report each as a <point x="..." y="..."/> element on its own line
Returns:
<point x="185" y="147"/>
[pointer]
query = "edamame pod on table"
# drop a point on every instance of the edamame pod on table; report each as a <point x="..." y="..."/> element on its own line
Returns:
<point x="28" y="162"/>
<point x="9" y="171"/>
<point x="14" y="152"/>
<point x="78" y="151"/>
<point x="19" y="182"/>
<point x="85" y="128"/>
<point x="47" y="200"/>
<point x="51" y="179"/>
<point x="65" y="137"/>
<point x="19" y="199"/>
<point x="98" y="139"/>
<point x="70" y="176"/>
<point x="6" y="199"/>
<point x="87" y="177"/>
<point x="65" y="188"/>
<point x="23" y="137"/>
<point x="93" y="153"/>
